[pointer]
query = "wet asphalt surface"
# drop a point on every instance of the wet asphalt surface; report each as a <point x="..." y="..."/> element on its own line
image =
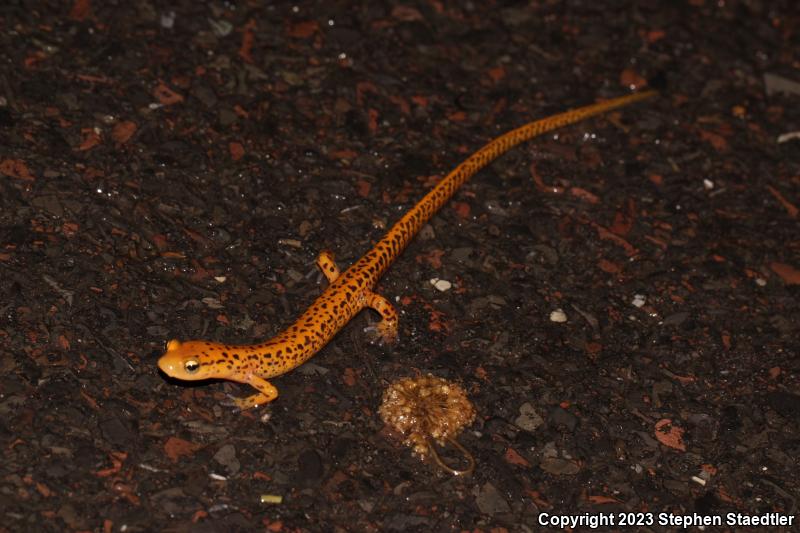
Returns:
<point x="623" y="310"/>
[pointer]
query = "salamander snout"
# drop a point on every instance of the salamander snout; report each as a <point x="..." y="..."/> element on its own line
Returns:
<point x="180" y="361"/>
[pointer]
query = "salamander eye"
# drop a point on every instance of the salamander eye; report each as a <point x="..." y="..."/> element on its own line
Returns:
<point x="191" y="366"/>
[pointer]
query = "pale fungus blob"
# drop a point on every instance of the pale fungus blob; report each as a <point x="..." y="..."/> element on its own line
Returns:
<point x="429" y="410"/>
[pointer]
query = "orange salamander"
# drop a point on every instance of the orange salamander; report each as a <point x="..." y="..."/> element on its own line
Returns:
<point x="350" y="291"/>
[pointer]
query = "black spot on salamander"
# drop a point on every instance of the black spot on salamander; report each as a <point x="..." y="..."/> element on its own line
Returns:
<point x="236" y="356"/>
<point x="288" y="349"/>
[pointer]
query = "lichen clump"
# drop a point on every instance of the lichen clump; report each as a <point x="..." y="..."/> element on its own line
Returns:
<point x="425" y="408"/>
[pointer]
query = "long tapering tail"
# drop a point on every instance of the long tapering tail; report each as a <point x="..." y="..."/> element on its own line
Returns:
<point x="407" y="227"/>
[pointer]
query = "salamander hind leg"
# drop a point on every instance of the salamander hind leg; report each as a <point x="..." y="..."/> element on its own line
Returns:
<point x="385" y="331"/>
<point x="327" y="264"/>
<point x="266" y="393"/>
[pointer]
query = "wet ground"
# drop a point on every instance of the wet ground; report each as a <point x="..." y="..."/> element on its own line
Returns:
<point x="623" y="309"/>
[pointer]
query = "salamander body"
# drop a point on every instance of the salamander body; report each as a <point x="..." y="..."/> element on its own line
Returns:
<point x="350" y="291"/>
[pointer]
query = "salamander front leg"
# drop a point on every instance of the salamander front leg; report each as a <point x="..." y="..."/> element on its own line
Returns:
<point x="266" y="392"/>
<point x="385" y="331"/>
<point x="327" y="265"/>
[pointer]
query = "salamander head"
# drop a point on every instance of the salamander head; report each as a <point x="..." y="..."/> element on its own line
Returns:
<point x="194" y="360"/>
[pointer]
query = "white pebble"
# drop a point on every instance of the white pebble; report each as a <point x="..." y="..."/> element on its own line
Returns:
<point x="212" y="303"/>
<point x="638" y="300"/>
<point x="168" y="20"/>
<point x="558" y="316"/>
<point x="441" y="284"/>
<point x="294" y="243"/>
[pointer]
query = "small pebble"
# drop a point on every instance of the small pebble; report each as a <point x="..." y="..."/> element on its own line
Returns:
<point x="792" y="135"/>
<point x="529" y="419"/>
<point x="558" y="316"/>
<point x="638" y="300"/>
<point x="221" y="28"/>
<point x="168" y="20"/>
<point x="212" y="303"/>
<point x="291" y="242"/>
<point x="441" y="284"/>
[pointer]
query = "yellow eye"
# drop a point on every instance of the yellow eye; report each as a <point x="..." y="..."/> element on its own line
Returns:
<point x="191" y="366"/>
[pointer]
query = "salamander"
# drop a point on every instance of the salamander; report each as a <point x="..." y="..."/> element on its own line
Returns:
<point x="350" y="291"/>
